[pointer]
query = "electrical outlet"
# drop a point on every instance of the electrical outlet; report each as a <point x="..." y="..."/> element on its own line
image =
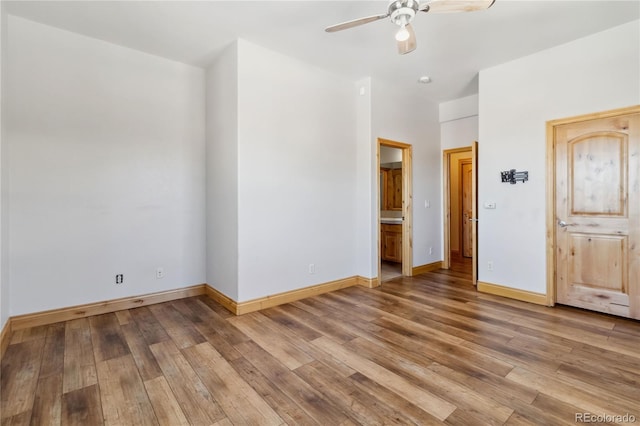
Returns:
<point x="160" y="273"/>
<point x="119" y="278"/>
<point x="312" y="268"/>
<point x="430" y="250"/>
<point x="490" y="265"/>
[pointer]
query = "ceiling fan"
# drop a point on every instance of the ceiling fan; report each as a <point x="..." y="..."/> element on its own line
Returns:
<point x="402" y="13"/>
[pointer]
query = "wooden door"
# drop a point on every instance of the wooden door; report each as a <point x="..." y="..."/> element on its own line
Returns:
<point x="597" y="198"/>
<point x="466" y="174"/>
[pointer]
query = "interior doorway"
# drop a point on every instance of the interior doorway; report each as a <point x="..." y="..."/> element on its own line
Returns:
<point x="395" y="230"/>
<point x="460" y="210"/>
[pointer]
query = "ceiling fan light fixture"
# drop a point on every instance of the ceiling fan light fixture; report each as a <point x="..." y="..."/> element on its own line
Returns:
<point x="402" y="34"/>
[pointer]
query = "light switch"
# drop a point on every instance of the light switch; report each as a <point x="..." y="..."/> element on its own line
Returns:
<point x="489" y="205"/>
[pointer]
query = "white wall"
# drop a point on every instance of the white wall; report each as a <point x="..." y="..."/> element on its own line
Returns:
<point x="4" y="201"/>
<point x="222" y="173"/>
<point x="106" y="172"/>
<point x="366" y="180"/>
<point x="595" y="73"/>
<point x="459" y="133"/>
<point x="296" y="174"/>
<point x="421" y="129"/>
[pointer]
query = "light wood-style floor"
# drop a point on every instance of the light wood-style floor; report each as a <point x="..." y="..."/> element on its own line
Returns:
<point x="421" y="350"/>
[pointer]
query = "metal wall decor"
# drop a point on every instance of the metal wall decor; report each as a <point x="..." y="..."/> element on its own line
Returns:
<point x="512" y="176"/>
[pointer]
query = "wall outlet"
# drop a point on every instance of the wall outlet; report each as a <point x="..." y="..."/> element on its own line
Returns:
<point x="160" y="273"/>
<point x="119" y="278"/>
<point x="490" y="265"/>
<point x="312" y="268"/>
<point x="430" y="250"/>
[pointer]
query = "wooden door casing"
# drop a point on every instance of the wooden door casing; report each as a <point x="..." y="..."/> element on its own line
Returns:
<point x="597" y="213"/>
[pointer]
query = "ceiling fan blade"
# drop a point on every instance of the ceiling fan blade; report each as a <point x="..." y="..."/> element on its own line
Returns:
<point x="448" y="6"/>
<point x="355" y="23"/>
<point x="410" y="44"/>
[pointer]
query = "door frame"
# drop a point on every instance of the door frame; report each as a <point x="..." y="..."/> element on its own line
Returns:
<point x="446" y="216"/>
<point x="551" y="188"/>
<point x="407" y="206"/>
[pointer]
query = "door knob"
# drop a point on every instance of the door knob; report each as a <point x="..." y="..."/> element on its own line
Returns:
<point x="562" y="223"/>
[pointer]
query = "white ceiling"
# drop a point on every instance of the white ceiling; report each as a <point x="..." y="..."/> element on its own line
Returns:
<point x="452" y="48"/>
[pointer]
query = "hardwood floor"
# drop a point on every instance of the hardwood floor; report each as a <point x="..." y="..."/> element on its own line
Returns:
<point x="420" y="350"/>
<point x="390" y="270"/>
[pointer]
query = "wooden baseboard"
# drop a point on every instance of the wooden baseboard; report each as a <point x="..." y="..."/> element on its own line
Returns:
<point x="368" y="282"/>
<point x="228" y="303"/>
<point x="427" y="268"/>
<point x="5" y="337"/>
<point x="512" y="293"/>
<point x="293" y="295"/>
<point x="81" y="311"/>
<point x="87" y="310"/>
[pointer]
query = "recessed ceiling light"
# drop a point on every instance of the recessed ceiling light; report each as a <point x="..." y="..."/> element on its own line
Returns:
<point x="425" y="79"/>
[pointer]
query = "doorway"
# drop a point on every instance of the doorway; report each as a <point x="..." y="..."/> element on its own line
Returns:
<point x="593" y="212"/>
<point x="460" y="211"/>
<point x="395" y="192"/>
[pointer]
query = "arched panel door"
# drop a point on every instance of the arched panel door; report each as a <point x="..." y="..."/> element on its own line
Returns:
<point x="598" y="214"/>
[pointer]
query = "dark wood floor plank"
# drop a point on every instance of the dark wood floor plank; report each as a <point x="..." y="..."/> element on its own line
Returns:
<point x="79" y="361"/>
<point x="107" y="338"/>
<point x="53" y="354"/>
<point x="19" y="377"/>
<point x="331" y="329"/>
<point x="82" y="407"/>
<point x="212" y="320"/>
<point x="151" y="329"/>
<point x="144" y="359"/>
<point x="181" y="330"/>
<point x="289" y="321"/>
<point x="47" y="404"/>
<point x="22" y="419"/>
